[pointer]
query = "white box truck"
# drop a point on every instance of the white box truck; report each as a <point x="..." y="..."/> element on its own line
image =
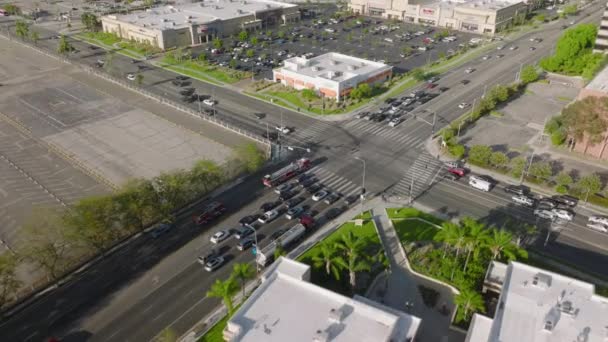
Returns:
<point x="479" y="183"/>
<point x="265" y="256"/>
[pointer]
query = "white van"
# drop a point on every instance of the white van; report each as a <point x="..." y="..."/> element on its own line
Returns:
<point x="479" y="183"/>
<point x="388" y="40"/>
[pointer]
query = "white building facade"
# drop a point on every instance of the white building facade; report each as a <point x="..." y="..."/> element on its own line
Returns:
<point x="286" y="307"/>
<point x="536" y="305"/>
<point x="331" y="75"/>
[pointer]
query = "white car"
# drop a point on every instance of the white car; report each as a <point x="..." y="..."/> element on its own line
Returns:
<point x="500" y="47"/>
<point x="469" y="70"/>
<point x="486" y="57"/>
<point x="598" y="226"/>
<point x="599" y="219"/>
<point x="283" y="129"/>
<point x="219" y="236"/>
<point x="563" y="214"/>
<point x="546" y="214"/>
<point x="394" y="122"/>
<point x="214" y="263"/>
<point x="523" y="200"/>
<point x="463" y="105"/>
<point x="268" y="216"/>
<point x="319" y="195"/>
<point x="209" y="102"/>
<point x="513" y="48"/>
<point x="131" y="77"/>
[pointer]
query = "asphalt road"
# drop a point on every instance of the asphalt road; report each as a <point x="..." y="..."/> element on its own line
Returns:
<point x="176" y="297"/>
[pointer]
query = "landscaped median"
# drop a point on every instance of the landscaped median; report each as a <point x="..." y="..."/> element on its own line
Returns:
<point x="202" y="70"/>
<point x="112" y="42"/>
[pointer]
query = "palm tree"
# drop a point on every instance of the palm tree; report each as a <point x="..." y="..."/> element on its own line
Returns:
<point x="326" y="258"/>
<point x="501" y="245"/>
<point x="354" y="260"/>
<point x="470" y="302"/>
<point x="243" y="272"/>
<point x="225" y="290"/>
<point x="475" y="238"/>
<point x="446" y="235"/>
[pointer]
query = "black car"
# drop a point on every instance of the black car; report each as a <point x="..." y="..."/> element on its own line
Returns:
<point x="443" y="89"/>
<point x="293" y="202"/>
<point x="181" y="78"/>
<point x="465" y="82"/>
<point x="249" y="219"/>
<point x="308" y="182"/>
<point x="351" y="199"/>
<point x="285" y="195"/>
<point x="331" y="198"/>
<point x="333" y="213"/>
<point x="390" y="100"/>
<point x="547" y="203"/>
<point x="245" y="244"/>
<point x="516" y="189"/>
<point x="566" y="200"/>
<point x="187" y="91"/>
<point x="269" y="206"/>
<point x="314" y="188"/>
<point x="259" y="116"/>
<point x="301" y="178"/>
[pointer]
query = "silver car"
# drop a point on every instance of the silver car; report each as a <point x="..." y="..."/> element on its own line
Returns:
<point x="214" y="263"/>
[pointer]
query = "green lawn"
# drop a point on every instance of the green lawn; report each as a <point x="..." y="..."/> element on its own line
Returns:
<point x="367" y="215"/>
<point x="101" y="37"/>
<point x="413" y="230"/>
<point x="215" y="333"/>
<point x="294" y="98"/>
<point x="318" y="275"/>
<point x="403" y="87"/>
<point x="407" y="212"/>
<point x="205" y="72"/>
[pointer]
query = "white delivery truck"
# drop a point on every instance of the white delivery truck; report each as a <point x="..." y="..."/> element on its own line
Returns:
<point x="479" y="183"/>
<point x="265" y="256"/>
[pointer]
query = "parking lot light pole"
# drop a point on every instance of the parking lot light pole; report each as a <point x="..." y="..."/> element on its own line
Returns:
<point x="525" y="170"/>
<point x="257" y="248"/>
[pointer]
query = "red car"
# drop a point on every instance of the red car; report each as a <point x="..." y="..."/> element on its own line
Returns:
<point x="458" y="171"/>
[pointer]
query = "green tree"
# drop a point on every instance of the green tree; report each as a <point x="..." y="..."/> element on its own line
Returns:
<point x="362" y="91"/>
<point x="281" y="34"/>
<point x="149" y="3"/>
<point x="326" y="259"/>
<point x="9" y="284"/>
<point x="441" y="55"/>
<point x="243" y="272"/>
<point x="353" y="257"/>
<point x="517" y="166"/>
<point x="250" y="53"/>
<point x="254" y="41"/>
<point x="202" y="57"/>
<point x="418" y="74"/>
<point x="64" y="46"/>
<point x="243" y="36"/>
<point x="501" y="246"/>
<point x="218" y="43"/>
<point x="225" y="290"/>
<point x="91" y="223"/>
<point x="251" y="157"/>
<point x="499" y="160"/>
<point x="573" y="52"/>
<point x="558" y="137"/>
<point x="586" y="118"/>
<point x="90" y="21"/>
<point x="499" y="93"/>
<point x="480" y="155"/>
<point x="448" y="235"/>
<point x="476" y="237"/>
<point x="22" y="29"/>
<point x="407" y="50"/>
<point x="233" y="63"/>
<point x="541" y="170"/>
<point x="589" y="184"/>
<point x="173" y="190"/>
<point x="44" y="242"/>
<point x="540" y="18"/>
<point x="563" y="178"/>
<point x="457" y="151"/>
<point x="138" y="204"/>
<point x="528" y="74"/>
<point x="570" y="9"/>
<point x="469" y="302"/>
<point x="35" y="37"/>
<point x="11" y="9"/>
<point x="205" y="176"/>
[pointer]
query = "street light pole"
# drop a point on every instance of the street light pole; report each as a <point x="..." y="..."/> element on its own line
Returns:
<point x="257" y="247"/>
<point x="525" y="170"/>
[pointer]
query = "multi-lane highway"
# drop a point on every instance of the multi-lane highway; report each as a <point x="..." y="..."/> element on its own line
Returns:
<point x="152" y="284"/>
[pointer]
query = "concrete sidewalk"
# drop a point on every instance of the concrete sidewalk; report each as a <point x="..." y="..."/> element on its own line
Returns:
<point x="400" y="286"/>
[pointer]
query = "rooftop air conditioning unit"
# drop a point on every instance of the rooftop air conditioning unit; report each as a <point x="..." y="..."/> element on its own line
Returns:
<point x="336" y="315"/>
<point x="315" y="68"/>
<point x="321" y="336"/>
<point x="351" y="67"/>
<point x="333" y="62"/>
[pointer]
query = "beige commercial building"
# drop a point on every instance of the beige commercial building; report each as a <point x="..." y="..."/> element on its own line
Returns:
<point x="195" y="23"/>
<point x="477" y="16"/>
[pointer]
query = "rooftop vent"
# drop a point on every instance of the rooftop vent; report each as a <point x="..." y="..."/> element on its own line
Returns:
<point x="551" y="319"/>
<point x="567" y="308"/>
<point x="164" y="20"/>
<point x="351" y="67"/>
<point x="333" y="62"/>
<point x="542" y="280"/>
<point x="316" y="68"/>
<point x="188" y="17"/>
<point x="321" y="336"/>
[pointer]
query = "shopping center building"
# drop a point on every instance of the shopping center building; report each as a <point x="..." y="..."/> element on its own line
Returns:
<point x="189" y="24"/>
<point x="477" y="16"/>
<point x="332" y="75"/>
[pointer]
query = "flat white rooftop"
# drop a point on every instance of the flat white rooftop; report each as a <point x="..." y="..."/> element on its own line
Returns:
<point x="600" y="81"/>
<point x="541" y="306"/>
<point x="205" y="12"/>
<point x="333" y="66"/>
<point x="286" y="307"/>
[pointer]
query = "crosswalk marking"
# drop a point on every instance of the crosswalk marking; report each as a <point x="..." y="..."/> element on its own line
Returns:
<point x="422" y="174"/>
<point x="411" y="138"/>
<point x="334" y="182"/>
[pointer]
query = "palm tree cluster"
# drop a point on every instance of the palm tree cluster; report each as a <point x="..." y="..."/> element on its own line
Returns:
<point x="226" y="289"/>
<point x="349" y="254"/>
